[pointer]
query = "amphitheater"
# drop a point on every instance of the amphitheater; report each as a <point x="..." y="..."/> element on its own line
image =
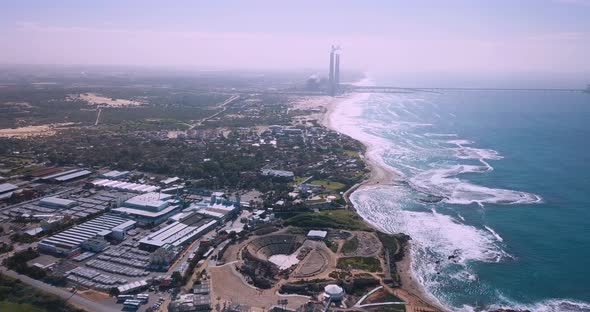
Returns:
<point x="279" y="244"/>
<point x="313" y="258"/>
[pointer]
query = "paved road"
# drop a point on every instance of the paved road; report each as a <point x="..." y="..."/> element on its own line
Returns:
<point x="76" y="300"/>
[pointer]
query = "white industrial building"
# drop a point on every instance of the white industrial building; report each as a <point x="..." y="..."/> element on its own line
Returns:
<point x="69" y="241"/>
<point x="179" y="233"/>
<point x="56" y="202"/>
<point x="68" y="175"/>
<point x="124" y="186"/>
<point x="317" y="234"/>
<point x="278" y="173"/>
<point x="217" y="207"/>
<point x="150" y="208"/>
<point x="6" y="190"/>
<point x="133" y="286"/>
<point x="73" y="176"/>
<point x="115" y="174"/>
<point x="7" y="187"/>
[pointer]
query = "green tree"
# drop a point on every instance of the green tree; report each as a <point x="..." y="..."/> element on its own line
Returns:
<point x="177" y="278"/>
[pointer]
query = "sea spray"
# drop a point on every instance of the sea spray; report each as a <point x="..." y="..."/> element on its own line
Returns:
<point x="451" y="239"/>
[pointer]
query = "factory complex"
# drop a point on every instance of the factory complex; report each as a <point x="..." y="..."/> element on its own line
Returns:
<point x="70" y="241"/>
<point x="179" y="233"/>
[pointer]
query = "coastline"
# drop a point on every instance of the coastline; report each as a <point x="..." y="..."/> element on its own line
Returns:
<point x="411" y="290"/>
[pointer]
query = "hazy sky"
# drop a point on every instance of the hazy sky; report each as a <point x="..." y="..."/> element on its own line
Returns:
<point x="492" y="36"/>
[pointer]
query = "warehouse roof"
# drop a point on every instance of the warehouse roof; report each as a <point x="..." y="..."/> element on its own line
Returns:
<point x="56" y="201"/>
<point x="127" y="186"/>
<point x="72" y="176"/>
<point x="316" y="233"/>
<point x="73" y="237"/>
<point x="180" y="231"/>
<point x="59" y="174"/>
<point x="151" y="201"/>
<point x="145" y="213"/>
<point x="115" y="174"/>
<point x="7" y="187"/>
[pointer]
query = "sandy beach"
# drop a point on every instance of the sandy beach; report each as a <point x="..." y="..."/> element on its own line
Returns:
<point x="411" y="291"/>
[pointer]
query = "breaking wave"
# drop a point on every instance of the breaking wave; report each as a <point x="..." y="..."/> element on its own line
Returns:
<point x="551" y="305"/>
<point x="398" y="132"/>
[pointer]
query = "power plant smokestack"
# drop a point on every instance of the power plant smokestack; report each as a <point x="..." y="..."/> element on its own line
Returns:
<point x="334" y="79"/>
<point x="337" y="74"/>
<point x="331" y="79"/>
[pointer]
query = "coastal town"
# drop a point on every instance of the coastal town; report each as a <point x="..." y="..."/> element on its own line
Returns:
<point x="231" y="199"/>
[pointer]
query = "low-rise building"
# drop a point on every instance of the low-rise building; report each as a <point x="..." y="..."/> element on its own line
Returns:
<point x="124" y="186"/>
<point x="115" y="174"/>
<point x="190" y="303"/>
<point x="278" y="173"/>
<point x="69" y="242"/>
<point x="7" y="187"/>
<point x="317" y="234"/>
<point x="180" y="233"/>
<point x="55" y="202"/>
<point x="95" y="244"/>
<point x="150" y="208"/>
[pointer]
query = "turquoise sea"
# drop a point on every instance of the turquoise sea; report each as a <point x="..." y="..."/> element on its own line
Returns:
<point x="513" y="171"/>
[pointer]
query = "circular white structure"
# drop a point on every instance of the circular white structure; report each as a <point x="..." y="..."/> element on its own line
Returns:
<point x="334" y="292"/>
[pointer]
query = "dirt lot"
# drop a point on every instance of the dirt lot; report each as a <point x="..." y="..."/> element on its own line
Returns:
<point x="24" y="132"/>
<point x="228" y="286"/>
<point x="93" y="98"/>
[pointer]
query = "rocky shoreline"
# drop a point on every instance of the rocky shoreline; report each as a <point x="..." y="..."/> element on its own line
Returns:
<point x="411" y="290"/>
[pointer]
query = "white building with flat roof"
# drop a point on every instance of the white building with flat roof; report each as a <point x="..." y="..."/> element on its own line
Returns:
<point x="115" y="174"/>
<point x="150" y="208"/>
<point x="317" y="235"/>
<point x="179" y="233"/>
<point x="124" y="186"/>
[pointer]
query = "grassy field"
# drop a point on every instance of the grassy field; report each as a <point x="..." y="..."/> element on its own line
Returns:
<point x="299" y="180"/>
<point x="329" y="185"/>
<point x="352" y="153"/>
<point x="331" y="219"/>
<point x="389" y="241"/>
<point x="360" y="263"/>
<point x="350" y="245"/>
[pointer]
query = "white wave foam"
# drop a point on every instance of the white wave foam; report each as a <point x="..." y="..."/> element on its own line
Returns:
<point x="428" y="229"/>
<point x="443" y="182"/>
<point x="551" y="305"/>
<point x="461" y="217"/>
<point x="460" y="142"/>
<point x="428" y="134"/>
<point x="496" y="235"/>
<point x="439" y="241"/>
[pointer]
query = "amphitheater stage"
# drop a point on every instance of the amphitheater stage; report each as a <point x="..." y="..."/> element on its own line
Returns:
<point x="284" y="261"/>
